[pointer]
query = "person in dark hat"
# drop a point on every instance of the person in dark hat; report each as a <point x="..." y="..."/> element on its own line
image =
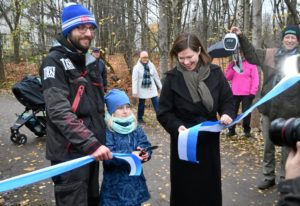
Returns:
<point x="291" y="30"/>
<point x="75" y="108"/>
<point x="96" y="52"/>
<point x="285" y="105"/>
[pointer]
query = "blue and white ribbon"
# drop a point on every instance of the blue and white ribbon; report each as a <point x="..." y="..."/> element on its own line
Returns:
<point x="133" y="161"/>
<point x="47" y="172"/>
<point x="187" y="140"/>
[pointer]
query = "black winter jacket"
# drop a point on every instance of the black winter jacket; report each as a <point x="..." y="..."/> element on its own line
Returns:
<point x="72" y="134"/>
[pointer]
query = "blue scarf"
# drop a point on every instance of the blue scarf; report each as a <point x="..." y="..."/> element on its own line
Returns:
<point x="121" y="125"/>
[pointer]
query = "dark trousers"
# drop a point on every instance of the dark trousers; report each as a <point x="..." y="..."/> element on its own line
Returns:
<point x="141" y="106"/>
<point x="246" y="104"/>
<point x="77" y="187"/>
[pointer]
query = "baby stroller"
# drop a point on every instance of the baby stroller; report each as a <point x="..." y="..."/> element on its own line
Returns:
<point x="29" y="93"/>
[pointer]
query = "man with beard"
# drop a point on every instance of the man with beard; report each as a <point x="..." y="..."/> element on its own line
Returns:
<point x="75" y="108"/>
<point x="285" y="105"/>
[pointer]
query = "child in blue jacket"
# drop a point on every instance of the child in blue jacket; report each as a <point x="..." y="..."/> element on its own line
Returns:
<point x="123" y="135"/>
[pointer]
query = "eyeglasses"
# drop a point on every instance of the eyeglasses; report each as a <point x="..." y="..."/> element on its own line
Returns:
<point x="144" y="58"/>
<point x="83" y="29"/>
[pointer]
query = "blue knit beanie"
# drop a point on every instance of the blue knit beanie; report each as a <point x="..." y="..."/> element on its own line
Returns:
<point x="114" y="99"/>
<point x="75" y="15"/>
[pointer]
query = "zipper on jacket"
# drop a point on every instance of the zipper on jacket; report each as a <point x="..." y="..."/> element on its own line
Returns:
<point x="78" y="96"/>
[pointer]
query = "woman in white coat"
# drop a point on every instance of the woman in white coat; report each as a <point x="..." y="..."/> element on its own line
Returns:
<point x="145" y="82"/>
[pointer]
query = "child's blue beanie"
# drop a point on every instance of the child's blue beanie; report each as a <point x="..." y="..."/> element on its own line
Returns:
<point x="74" y="15"/>
<point x="115" y="98"/>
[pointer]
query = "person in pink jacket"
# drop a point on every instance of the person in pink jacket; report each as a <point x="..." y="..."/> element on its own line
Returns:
<point x="244" y="85"/>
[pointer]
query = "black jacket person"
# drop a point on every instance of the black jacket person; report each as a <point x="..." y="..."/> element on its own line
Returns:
<point x="75" y="108"/>
<point x="193" y="92"/>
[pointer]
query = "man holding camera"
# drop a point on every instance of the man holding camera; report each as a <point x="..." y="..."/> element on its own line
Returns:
<point x="285" y="105"/>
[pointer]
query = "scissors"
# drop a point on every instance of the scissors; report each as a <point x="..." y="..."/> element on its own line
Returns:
<point x="145" y="150"/>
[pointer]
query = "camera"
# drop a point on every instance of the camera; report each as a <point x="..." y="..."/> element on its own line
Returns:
<point x="285" y="132"/>
<point x="230" y="42"/>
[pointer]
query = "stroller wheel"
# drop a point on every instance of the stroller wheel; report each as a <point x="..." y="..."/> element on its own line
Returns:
<point x="22" y="139"/>
<point x="14" y="138"/>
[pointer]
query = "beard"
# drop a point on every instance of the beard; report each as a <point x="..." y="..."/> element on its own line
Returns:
<point x="76" y="43"/>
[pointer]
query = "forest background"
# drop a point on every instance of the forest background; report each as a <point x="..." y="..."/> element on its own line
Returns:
<point x="28" y="27"/>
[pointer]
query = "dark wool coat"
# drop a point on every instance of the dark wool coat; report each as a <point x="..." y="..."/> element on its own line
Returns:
<point x="118" y="188"/>
<point x="194" y="184"/>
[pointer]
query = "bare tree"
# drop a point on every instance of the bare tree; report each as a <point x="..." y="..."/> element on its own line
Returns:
<point x="257" y="24"/>
<point x="293" y="15"/>
<point x="278" y="12"/>
<point x="163" y="37"/>
<point x="11" y="11"/>
<point x="41" y="26"/>
<point x="130" y="34"/>
<point x="145" y="38"/>
<point x="240" y="14"/>
<point x="205" y="17"/>
<point x="2" y="73"/>
<point x="247" y="17"/>
<point x="35" y="14"/>
<point x="224" y="22"/>
<point x="177" y="6"/>
<point x="187" y="14"/>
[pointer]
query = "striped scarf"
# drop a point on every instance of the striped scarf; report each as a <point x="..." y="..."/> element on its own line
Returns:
<point x="146" y="82"/>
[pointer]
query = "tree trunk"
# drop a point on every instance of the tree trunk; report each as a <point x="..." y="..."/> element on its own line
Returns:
<point x="17" y="31"/>
<point x="2" y="73"/>
<point x="223" y="15"/>
<point x="13" y="24"/>
<point x="247" y="17"/>
<point x="240" y="14"/>
<point x="257" y="24"/>
<point x="163" y="37"/>
<point x="97" y="14"/>
<point x="293" y="16"/>
<point x="16" y="41"/>
<point x="129" y="41"/>
<point x="41" y="26"/>
<point x="205" y="17"/>
<point x="257" y="43"/>
<point x="144" y="26"/>
<point x="177" y="6"/>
